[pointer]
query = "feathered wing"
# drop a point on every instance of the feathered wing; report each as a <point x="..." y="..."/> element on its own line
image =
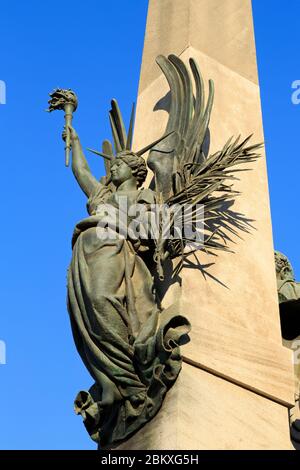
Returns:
<point x="186" y="176"/>
<point x="172" y="159"/>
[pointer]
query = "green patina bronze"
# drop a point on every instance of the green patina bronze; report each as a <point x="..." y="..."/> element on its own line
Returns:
<point x="129" y="344"/>
<point x="288" y="288"/>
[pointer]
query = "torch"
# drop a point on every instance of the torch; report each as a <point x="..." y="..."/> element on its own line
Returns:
<point x="66" y="100"/>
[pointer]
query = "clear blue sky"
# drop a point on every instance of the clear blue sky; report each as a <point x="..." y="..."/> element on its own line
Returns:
<point x="95" y="48"/>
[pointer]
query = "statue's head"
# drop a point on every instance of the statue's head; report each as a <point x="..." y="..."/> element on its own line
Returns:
<point x="128" y="165"/>
<point x="284" y="268"/>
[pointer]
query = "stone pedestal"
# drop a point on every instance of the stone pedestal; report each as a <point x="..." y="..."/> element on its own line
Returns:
<point x="237" y="382"/>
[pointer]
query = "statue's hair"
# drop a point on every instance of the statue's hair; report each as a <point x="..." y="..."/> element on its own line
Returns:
<point x="136" y="163"/>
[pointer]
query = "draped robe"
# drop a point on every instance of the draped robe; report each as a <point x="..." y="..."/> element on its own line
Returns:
<point x="129" y="346"/>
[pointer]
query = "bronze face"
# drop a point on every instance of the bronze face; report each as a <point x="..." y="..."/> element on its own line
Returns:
<point x="120" y="172"/>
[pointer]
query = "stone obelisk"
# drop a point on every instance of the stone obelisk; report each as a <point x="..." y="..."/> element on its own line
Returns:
<point x="236" y="384"/>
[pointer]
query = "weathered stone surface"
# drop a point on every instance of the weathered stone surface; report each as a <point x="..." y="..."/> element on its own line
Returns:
<point x="222" y="30"/>
<point x="202" y="411"/>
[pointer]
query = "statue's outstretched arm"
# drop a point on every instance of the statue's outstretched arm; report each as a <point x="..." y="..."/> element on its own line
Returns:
<point x="80" y="167"/>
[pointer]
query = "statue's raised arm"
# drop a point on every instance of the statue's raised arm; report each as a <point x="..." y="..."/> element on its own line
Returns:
<point x="80" y="167"/>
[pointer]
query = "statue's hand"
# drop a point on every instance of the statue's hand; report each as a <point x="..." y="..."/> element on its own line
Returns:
<point x="73" y="134"/>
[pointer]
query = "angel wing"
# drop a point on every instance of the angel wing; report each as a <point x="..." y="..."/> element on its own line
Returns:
<point x="184" y="173"/>
<point x="175" y="157"/>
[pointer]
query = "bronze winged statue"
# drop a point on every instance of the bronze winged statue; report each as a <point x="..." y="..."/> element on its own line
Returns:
<point x="129" y="344"/>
